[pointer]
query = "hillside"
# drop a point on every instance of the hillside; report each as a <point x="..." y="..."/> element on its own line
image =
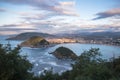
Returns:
<point x="35" y="41"/>
<point x="93" y="34"/>
<point x="64" y="53"/>
<point x="27" y="35"/>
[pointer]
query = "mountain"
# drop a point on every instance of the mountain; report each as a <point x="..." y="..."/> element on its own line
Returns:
<point x="106" y="34"/>
<point x="93" y="34"/>
<point x="27" y="35"/>
<point x="35" y="41"/>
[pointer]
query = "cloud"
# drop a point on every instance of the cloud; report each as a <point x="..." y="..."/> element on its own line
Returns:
<point x="36" y="17"/>
<point x="16" y="29"/>
<point x="60" y="25"/>
<point x="43" y="4"/>
<point x="55" y="6"/>
<point x="2" y="10"/>
<point x="110" y="13"/>
<point x="67" y="8"/>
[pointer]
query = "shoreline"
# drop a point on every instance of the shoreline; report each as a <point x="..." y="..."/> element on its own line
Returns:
<point x="89" y="43"/>
<point x="54" y="44"/>
<point x="42" y="46"/>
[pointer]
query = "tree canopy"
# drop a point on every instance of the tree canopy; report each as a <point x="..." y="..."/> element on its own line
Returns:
<point x="13" y="66"/>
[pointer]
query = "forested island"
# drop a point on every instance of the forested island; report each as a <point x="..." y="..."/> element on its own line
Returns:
<point x="64" y="53"/>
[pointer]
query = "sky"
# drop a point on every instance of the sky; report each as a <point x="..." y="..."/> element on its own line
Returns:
<point x="59" y="16"/>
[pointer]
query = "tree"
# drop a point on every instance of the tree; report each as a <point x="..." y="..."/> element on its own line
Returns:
<point x="13" y="66"/>
<point x="90" y="66"/>
<point x="47" y="75"/>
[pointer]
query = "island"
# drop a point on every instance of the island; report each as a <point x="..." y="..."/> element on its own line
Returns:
<point x="35" y="42"/>
<point x="64" y="53"/>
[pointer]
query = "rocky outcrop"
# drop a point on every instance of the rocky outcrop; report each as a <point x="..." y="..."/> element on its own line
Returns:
<point x="64" y="53"/>
<point x="35" y="41"/>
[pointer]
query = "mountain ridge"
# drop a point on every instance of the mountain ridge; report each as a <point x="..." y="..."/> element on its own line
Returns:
<point x="27" y="35"/>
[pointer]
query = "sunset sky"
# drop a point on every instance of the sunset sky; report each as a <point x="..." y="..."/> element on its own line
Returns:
<point x="59" y="16"/>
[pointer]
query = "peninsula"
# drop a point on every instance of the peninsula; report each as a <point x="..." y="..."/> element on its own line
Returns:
<point x="34" y="42"/>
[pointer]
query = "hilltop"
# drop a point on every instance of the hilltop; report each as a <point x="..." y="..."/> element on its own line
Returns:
<point x="35" y="41"/>
<point x="64" y="53"/>
<point x="27" y="35"/>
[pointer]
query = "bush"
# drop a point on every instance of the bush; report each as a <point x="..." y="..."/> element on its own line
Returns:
<point x="13" y="66"/>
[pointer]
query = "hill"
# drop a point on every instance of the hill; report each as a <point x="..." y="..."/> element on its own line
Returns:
<point x="64" y="53"/>
<point x="94" y="34"/>
<point x="35" y="41"/>
<point x="27" y="35"/>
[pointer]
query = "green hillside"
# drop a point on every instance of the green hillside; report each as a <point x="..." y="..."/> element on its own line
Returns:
<point x="64" y="53"/>
<point x="35" y="41"/>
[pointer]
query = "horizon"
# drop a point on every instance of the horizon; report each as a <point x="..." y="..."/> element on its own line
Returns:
<point x="59" y="16"/>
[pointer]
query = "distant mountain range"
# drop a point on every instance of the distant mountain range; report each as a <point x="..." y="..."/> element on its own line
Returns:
<point x="93" y="34"/>
<point x="27" y="35"/>
<point x="106" y="34"/>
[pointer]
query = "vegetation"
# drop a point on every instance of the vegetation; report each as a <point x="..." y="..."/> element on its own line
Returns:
<point x="27" y="35"/>
<point x="35" y="41"/>
<point x="12" y="65"/>
<point x="88" y="66"/>
<point x="64" y="53"/>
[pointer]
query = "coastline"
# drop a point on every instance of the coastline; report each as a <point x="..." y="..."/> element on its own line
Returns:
<point x="56" y="43"/>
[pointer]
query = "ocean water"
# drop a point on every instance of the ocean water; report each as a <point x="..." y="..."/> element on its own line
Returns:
<point x="42" y="60"/>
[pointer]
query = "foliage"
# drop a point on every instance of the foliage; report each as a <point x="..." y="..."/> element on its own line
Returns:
<point x="48" y="75"/>
<point x="13" y="66"/>
<point x="90" y="66"/>
<point x="64" y="53"/>
<point x="35" y="41"/>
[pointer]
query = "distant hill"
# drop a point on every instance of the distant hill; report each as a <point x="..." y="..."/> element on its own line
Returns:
<point x="35" y="41"/>
<point x="27" y="35"/>
<point x="106" y="34"/>
<point x="93" y="34"/>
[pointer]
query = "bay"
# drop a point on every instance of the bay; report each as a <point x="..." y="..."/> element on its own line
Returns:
<point x="42" y="60"/>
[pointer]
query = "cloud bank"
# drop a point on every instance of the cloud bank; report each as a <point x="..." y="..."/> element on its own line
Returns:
<point x="110" y="13"/>
<point x="2" y="10"/>
<point x="55" y="6"/>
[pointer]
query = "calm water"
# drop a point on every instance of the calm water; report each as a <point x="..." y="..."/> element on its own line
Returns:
<point x="42" y="60"/>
